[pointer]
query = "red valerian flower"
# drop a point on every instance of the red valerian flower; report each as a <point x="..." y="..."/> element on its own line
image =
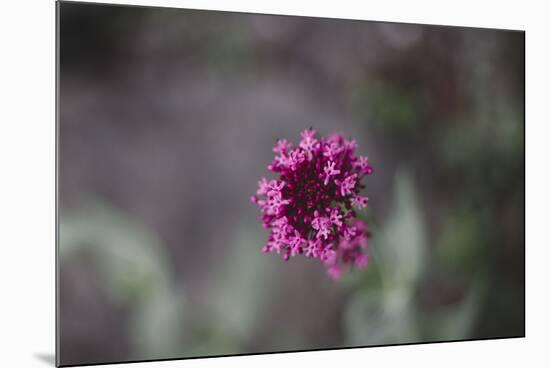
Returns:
<point x="309" y="208"/>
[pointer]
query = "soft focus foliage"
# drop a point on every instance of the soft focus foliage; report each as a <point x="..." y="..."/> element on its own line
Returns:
<point x="129" y="269"/>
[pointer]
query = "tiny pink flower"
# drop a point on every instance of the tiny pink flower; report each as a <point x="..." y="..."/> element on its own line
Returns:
<point x="275" y="201"/>
<point x="350" y="145"/>
<point x="295" y="158"/>
<point x="332" y="150"/>
<point x="276" y="245"/>
<point x="296" y="243"/>
<point x="362" y="164"/>
<point x="312" y="249"/>
<point x="308" y="142"/>
<point x="281" y="146"/>
<point x="322" y="225"/>
<point x="262" y="186"/>
<point x="280" y="161"/>
<point x="347" y="185"/>
<point x="335" y="217"/>
<point x="330" y="171"/>
<point x="359" y="201"/>
<point x="349" y="233"/>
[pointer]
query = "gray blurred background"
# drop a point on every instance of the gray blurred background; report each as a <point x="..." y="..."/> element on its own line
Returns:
<point x="167" y="119"/>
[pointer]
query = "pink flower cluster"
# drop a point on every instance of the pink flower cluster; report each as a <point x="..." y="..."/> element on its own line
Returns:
<point x="309" y="209"/>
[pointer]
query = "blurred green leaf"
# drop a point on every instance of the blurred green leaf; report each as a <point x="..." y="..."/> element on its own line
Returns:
<point x="240" y="296"/>
<point x="387" y="314"/>
<point x="400" y="248"/>
<point x="133" y="270"/>
<point x="375" y="319"/>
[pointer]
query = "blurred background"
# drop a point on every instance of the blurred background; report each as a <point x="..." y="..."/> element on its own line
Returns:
<point x="167" y="119"/>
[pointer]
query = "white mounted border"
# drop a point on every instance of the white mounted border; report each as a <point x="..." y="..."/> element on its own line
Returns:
<point x="27" y="40"/>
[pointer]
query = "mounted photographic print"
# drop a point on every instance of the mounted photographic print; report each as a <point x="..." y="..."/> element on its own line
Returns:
<point x="234" y="183"/>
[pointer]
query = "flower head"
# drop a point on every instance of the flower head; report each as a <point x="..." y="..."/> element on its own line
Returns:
<point x="310" y="208"/>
